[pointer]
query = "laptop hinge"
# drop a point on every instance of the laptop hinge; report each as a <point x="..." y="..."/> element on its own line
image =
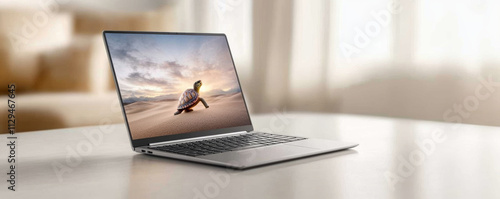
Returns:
<point x="196" y="138"/>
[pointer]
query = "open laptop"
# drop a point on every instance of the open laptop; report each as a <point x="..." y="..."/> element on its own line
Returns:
<point x="181" y="98"/>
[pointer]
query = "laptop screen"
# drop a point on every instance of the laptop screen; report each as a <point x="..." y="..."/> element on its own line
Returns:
<point x="176" y="83"/>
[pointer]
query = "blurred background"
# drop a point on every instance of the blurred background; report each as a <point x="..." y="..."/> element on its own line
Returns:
<point x="418" y="59"/>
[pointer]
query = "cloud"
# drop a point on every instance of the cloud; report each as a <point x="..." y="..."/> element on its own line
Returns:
<point x="159" y="66"/>
<point x="174" y="69"/>
<point x="144" y="79"/>
<point x="126" y="53"/>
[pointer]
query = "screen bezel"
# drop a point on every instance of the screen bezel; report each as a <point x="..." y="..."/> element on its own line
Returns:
<point x="165" y="138"/>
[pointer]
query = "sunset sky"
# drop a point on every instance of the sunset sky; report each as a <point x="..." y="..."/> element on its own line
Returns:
<point x="158" y="66"/>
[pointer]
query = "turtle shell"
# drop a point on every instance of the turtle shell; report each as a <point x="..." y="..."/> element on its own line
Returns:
<point x="189" y="98"/>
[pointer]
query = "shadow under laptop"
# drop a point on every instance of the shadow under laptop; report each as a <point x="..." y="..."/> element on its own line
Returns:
<point x="150" y="160"/>
<point x="300" y="161"/>
<point x="152" y="176"/>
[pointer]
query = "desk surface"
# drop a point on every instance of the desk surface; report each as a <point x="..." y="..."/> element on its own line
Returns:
<point x="463" y="162"/>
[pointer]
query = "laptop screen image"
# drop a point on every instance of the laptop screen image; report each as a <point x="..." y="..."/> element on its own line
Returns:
<point x="173" y="83"/>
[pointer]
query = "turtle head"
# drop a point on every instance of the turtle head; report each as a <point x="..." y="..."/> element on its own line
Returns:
<point x="197" y="85"/>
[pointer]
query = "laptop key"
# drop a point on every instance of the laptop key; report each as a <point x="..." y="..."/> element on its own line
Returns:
<point x="225" y="144"/>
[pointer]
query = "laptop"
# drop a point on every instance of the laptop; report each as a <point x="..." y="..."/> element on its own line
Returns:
<point x="181" y="98"/>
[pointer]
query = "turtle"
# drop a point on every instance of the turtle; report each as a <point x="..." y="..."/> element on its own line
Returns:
<point x="190" y="98"/>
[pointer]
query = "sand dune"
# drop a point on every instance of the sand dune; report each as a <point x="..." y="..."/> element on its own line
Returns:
<point x="156" y="118"/>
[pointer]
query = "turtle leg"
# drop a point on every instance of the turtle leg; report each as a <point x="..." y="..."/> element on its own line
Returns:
<point x="179" y="111"/>
<point x="189" y="110"/>
<point x="204" y="103"/>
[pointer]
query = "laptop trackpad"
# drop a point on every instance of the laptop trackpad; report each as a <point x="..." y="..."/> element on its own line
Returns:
<point x="261" y="155"/>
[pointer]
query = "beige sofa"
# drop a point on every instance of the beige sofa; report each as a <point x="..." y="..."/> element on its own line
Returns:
<point x="60" y="68"/>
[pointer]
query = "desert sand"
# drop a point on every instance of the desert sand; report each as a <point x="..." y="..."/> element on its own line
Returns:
<point x="156" y="118"/>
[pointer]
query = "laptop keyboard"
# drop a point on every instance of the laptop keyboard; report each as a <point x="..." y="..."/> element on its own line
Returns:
<point x="224" y="144"/>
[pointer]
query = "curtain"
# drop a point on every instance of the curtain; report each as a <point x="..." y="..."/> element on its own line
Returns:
<point x="398" y="58"/>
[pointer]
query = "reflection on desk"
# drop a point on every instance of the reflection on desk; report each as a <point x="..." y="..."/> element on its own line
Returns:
<point x="390" y="162"/>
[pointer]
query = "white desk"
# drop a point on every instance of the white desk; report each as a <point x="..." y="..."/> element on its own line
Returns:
<point x="466" y="164"/>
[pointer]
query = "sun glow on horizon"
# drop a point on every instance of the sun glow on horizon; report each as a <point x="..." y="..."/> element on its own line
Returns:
<point x="204" y="88"/>
<point x="148" y="74"/>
